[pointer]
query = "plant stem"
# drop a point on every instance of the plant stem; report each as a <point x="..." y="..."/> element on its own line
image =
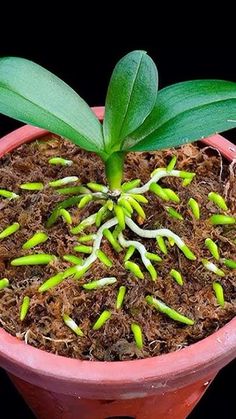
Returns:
<point x="114" y="167"/>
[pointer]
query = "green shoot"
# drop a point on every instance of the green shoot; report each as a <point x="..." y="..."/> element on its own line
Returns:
<point x="59" y="161"/>
<point x="219" y="219"/>
<point x="138" y="336"/>
<point x="73" y="259"/>
<point x="113" y="242"/>
<point x="4" y="282"/>
<point x="129" y="253"/>
<point x="212" y="267"/>
<point x="159" y="191"/>
<point x="96" y="187"/>
<point x="72" y="325"/>
<point x="35" y="186"/>
<point x="8" y="194"/>
<point x="104" y="258"/>
<point x="219" y="292"/>
<point x="229" y="263"/>
<point x="94" y="285"/>
<point x="194" y="206"/>
<point x="120" y="297"/>
<point x="177" y="276"/>
<point x="174" y="214"/>
<point x="119" y="212"/>
<point x="161" y="244"/>
<point x="65" y="215"/>
<point x="83" y="249"/>
<point x="135" y="269"/>
<point x="172" y="196"/>
<point x="127" y="186"/>
<point x="85" y="200"/>
<point x="213" y="248"/>
<point x="51" y="282"/>
<point x="171" y="164"/>
<point x="24" y="308"/>
<point x="102" y="319"/>
<point x="218" y="200"/>
<point x="38" y="259"/>
<point x="163" y="308"/>
<point x="8" y="231"/>
<point x="153" y="256"/>
<point x="87" y="238"/>
<point x="38" y="238"/>
<point x="73" y="190"/>
<point x="64" y="181"/>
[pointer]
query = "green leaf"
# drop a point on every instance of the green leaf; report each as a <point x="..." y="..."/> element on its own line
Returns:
<point x="185" y="112"/>
<point x="130" y="98"/>
<point x="33" y="95"/>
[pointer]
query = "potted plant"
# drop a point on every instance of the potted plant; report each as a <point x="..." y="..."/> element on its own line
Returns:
<point x="131" y="275"/>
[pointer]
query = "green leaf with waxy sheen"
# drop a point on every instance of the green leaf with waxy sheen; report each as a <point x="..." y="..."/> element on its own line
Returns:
<point x="185" y="112"/>
<point x="33" y="95"/>
<point x="130" y="98"/>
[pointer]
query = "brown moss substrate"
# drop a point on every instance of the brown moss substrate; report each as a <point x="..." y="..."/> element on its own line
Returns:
<point x="43" y="326"/>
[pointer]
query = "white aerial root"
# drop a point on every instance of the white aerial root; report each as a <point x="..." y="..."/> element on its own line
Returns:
<point x="160" y="174"/>
<point x="139" y="246"/>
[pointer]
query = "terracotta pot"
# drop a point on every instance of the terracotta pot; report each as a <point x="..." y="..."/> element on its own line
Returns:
<point x="167" y="386"/>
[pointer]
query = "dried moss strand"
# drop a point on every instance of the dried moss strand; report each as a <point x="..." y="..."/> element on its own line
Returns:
<point x="24" y="307"/>
<point x="120" y="297"/>
<point x="4" y="283"/>
<point x="69" y="322"/>
<point x="100" y="283"/>
<point x="138" y="336"/>
<point x="8" y="231"/>
<point x="219" y="292"/>
<point x="38" y="238"/>
<point x="102" y="319"/>
<point x="163" y="308"/>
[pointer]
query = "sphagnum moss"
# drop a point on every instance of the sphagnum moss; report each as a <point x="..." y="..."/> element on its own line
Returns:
<point x="119" y="203"/>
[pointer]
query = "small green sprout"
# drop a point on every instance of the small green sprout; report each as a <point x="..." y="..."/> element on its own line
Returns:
<point x="8" y="194"/>
<point x="153" y="256"/>
<point x="104" y="258"/>
<point x="171" y="164"/>
<point x="87" y="238"/>
<point x="83" y="249"/>
<point x="34" y="186"/>
<point x="120" y="216"/>
<point x="120" y="297"/>
<point x="72" y="325"/>
<point x="64" y="181"/>
<point x="73" y="259"/>
<point x="85" y="200"/>
<point x="161" y="244"/>
<point x="219" y="219"/>
<point x="187" y="182"/>
<point x="127" y="186"/>
<point x="177" y="276"/>
<point x="174" y="214"/>
<point x="114" y="243"/>
<point x="96" y="187"/>
<point x="59" y="161"/>
<point x="51" y="282"/>
<point x="159" y="191"/>
<point x="218" y="200"/>
<point x="212" y="267"/>
<point x="101" y="214"/>
<point x="24" y="307"/>
<point x="129" y="253"/>
<point x="38" y="238"/>
<point x="73" y="190"/>
<point x="139" y="198"/>
<point x="134" y="268"/>
<point x="230" y="263"/>
<point x="219" y="292"/>
<point x="102" y="319"/>
<point x="171" y="195"/>
<point x="137" y="207"/>
<point x="94" y="285"/>
<point x="4" y="282"/>
<point x="171" y="241"/>
<point x="37" y="259"/>
<point x="87" y="222"/>
<point x="138" y="336"/>
<point x="65" y="215"/>
<point x="194" y="206"/>
<point x="8" y="231"/>
<point x="188" y="253"/>
<point x="163" y="308"/>
<point x="213" y="248"/>
<point x="186" y="175"/>
<point x="152" y="271"/>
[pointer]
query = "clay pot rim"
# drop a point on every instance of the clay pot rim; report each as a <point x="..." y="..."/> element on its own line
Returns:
<point x="211" y="350"/>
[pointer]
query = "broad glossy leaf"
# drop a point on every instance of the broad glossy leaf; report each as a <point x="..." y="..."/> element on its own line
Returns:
<point x="130" y="98"/>
<point x="33" y="95"/>
<point x="185" y="112"/>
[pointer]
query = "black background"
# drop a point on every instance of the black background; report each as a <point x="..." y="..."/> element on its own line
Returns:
<point x="84" y="59"/>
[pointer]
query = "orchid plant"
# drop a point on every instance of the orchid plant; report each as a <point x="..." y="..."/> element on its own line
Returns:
<point x="138" y="117"/>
